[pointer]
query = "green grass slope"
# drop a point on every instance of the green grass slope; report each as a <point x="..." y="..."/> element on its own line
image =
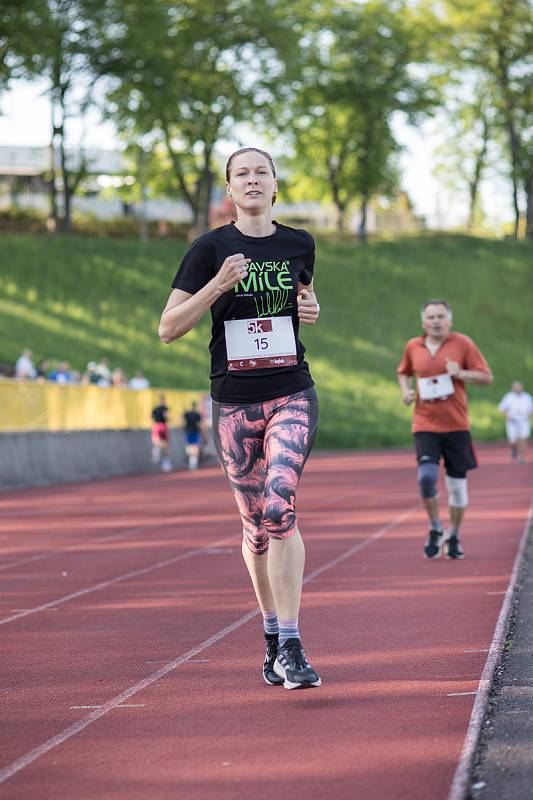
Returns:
<point x="81" y="299"/>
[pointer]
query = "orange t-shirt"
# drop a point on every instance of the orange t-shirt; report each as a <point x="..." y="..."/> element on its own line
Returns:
<point x="451" y="413"/>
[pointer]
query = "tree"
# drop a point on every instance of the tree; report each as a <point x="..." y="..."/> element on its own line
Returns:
<point x="186" y="73"/>
<point x="356" y="74"/>
<point x="53" y="47"/>
<point x="466" y="153"/>
<point x="496" y="38"/>
<point x="15" y="37"/>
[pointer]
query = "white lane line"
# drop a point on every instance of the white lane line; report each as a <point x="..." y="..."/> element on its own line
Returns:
<point x="123" y="705"/>
<point x="459" y="694"/>
<point x="355" y="549"/>
<point x="459" y="787"/>
<point x="31" y="756"/>
<point x="26" y="560"/>
<point x="502" y="592"/>
<point x="104" y="584"/>
<point x="86" y="544"/>
<point x="482" y="650"/>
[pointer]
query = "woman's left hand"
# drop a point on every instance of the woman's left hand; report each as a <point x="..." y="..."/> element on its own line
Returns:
<point x="308" y="308"/>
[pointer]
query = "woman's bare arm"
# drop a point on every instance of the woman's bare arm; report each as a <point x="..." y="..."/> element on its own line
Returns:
<point x="184" y="310"/>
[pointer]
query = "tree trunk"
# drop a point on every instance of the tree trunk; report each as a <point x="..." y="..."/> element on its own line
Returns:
<point x="474" y="183"/>
<point x="54" y="211"/>
<point x="515" y="144"/>
<point x="515" y="205"/>
<point x="190" y="199"/>
<point x="205" y="189"/>
<point x="340" y="217"/>
<point x="362" y="233"/>
<point x="528" y="187"/>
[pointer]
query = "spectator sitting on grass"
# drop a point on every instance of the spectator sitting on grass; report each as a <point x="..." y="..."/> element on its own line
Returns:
<point x="62" y="373"/>
<point x="25" y="368"/>
<point x="139" y="381"/>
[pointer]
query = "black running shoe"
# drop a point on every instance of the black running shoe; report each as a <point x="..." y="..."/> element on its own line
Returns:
<point x="292" y="666"/>
<point x="433" y="544"/>
<point x="268" y="664"/>
<point x="452" y="547"/>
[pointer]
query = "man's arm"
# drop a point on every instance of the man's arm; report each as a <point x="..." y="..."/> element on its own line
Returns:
<point x="476" y="376"/>
<point x="406" y="386"/>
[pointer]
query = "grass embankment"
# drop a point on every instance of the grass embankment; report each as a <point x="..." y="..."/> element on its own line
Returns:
<point x="82" y="299"/>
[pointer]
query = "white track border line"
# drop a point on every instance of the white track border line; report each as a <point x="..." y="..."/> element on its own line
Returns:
<point x="113" y="537"/>
<point x="119" y="578"/>
<point x="32" y="755"/>
<point x="461" y="779"/>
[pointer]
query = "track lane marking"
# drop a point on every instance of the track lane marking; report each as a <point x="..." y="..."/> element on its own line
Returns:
<point x="52" y="604"/>
<point x="461" y="778"/>
<point x="86" y="544"/>
<point x="72" y="730"/>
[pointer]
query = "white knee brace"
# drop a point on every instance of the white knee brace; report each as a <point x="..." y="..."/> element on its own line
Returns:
<point x="457" y="492"/>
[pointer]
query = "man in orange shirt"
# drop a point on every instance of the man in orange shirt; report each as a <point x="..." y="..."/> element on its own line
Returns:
<point x="442" y="363"/>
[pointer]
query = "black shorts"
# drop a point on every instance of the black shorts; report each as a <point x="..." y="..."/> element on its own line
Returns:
<point x="455" y="447"/>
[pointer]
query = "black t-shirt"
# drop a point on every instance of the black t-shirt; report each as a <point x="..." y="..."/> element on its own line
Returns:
<point x="159" y="414"/>
<point x="192" y="421"/>
<point x="278" y="263"/>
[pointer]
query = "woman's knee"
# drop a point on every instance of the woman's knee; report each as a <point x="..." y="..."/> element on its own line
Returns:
<point x="279" y="520"/>
<point x="256" y="540"/>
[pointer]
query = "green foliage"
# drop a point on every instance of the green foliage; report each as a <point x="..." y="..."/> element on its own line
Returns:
<point x="82" y="299"/>
<point x="183" y="73"/>
<point x="355" y="76"/>
<point x="494" y="39"/>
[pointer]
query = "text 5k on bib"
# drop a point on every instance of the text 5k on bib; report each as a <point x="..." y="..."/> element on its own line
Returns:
<point x="260" y="343"/>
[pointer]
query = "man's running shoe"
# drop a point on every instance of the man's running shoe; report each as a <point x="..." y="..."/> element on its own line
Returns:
<point x="433" y="544"/>
<point x="268" y="664"/>
<point x="292" y="666"/>
<point x="452" y="547"/>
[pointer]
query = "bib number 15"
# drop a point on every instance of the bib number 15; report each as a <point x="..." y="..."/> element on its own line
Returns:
<point x="262" y="343"/>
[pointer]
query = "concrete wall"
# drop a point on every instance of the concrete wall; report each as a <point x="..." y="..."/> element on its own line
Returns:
<point x="37" y="458"/>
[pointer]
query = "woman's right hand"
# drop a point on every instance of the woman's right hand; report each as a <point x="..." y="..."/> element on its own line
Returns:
<point x="233" y="270"/>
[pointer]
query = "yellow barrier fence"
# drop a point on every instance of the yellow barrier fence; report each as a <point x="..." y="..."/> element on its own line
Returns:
<point x="29" y="406"/>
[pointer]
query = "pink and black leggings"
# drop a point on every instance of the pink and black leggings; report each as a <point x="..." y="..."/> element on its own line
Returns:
<point x="263" y="448"/>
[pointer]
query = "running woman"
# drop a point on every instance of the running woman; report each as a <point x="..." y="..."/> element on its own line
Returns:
<point x="256" y="277"/>
<point x="442" y="363"/>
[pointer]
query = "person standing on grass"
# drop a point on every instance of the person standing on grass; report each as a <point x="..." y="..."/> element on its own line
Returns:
<point x="443" y="362"/>
<point x="256" y="277"/>
<point x="517" y="406"/>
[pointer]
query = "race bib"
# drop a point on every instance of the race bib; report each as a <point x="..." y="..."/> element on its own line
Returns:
<point x="260" y="343"/>
<point x="437" y="387"/>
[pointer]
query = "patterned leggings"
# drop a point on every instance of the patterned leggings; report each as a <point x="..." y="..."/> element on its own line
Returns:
<point x="263" y="448"/>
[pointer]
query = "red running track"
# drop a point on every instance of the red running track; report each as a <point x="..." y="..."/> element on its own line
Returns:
<point x="131" y="653"/>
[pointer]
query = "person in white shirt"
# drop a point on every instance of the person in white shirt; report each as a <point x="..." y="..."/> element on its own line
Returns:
<point x="25" y="368"/>
<point x="139" y="381"/>
<point x="517" y="405"/>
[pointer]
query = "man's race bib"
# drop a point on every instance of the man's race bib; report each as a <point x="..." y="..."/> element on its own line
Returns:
<point x="260" y="343"/>
<point x="438" y="387"/>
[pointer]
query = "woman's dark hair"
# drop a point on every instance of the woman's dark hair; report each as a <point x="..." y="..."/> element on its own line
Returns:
<point x="251" y="150"/>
